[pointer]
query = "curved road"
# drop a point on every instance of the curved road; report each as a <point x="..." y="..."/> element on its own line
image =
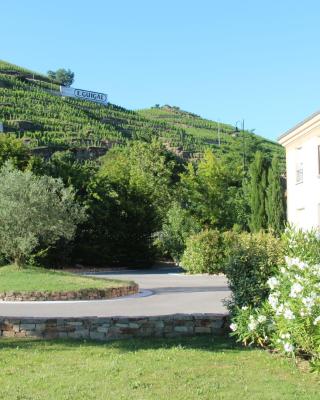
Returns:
<point x="162" y="292"/>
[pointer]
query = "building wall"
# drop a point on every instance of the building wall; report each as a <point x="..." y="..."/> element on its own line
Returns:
<point x="304" y="196"/>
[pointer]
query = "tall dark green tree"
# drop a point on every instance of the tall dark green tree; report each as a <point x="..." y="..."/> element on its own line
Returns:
<point x="275" y="199"/>
<point x="257" y="187"/>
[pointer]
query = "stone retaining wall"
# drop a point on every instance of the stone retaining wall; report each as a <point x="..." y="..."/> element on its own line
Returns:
<point x="112" y="328"/>
<point x="83" y="294"/>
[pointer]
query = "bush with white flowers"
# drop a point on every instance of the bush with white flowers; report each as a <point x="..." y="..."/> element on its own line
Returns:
<point x="289" y="320"/>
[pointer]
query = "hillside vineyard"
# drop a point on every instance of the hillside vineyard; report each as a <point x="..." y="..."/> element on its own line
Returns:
<point x="32" y="109"/>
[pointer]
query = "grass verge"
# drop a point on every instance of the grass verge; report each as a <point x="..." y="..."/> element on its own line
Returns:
<point x="186" y="369"/>
<point x="32" y="279"/>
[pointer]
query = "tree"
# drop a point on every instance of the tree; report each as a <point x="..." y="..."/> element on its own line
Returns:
<point x="145" y="167"/>
<point x="209" y="190"/>
<point x="120" y="226"/>
<point x="127" y="201"/>
<point x="64" y="165"/>
<point x="64" y="76"/>
<point x="257" y="187"/>
<point x="14" y="150"/>
<point x="275" y="200"/>
<point x="35" y="211"/>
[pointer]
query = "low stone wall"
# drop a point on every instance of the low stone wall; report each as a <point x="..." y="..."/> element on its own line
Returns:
<point x="83" y="294"/>
<point x="112" y="328"/>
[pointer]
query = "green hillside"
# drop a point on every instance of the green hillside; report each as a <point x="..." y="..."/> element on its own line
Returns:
<point x="222" y="138"/>
<point x="32" y="109"/>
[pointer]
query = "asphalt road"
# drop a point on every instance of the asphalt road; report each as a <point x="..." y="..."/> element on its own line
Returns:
<point x="163" y="292"/>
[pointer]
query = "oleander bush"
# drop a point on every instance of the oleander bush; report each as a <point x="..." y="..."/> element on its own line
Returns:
<point x="288" y="320"/>
<point x="204" y="253"/>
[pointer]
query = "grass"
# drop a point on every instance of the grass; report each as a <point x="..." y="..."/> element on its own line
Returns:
<point x="186" y="369"/>
<point x="39" y="279"/>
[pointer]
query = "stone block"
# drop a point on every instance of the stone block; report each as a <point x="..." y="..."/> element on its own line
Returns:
<point x="20" y="334"/>
<point x="27" y="327"/>
<point x="102" y="329"/>
<point x="97" y="335"/>
<point x="6" y="326"/>
<point x="121" y="325"/>
<point x="133" y="325"/>
<point x="181" y="329"/>
<point x="75" y="323"/>
<point x="202" y="329"/>
<point x="8" y="333"/>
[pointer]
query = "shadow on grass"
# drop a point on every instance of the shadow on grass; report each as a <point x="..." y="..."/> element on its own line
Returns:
<point x="203" y="343"/>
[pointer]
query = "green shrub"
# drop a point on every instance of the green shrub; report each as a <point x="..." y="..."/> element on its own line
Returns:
<point x="204" y="253"/>
<point x="177" y="227"/>
<point x="251" y="260"/>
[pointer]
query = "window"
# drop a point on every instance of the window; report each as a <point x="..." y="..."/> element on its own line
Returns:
<point x="299" y="166"/>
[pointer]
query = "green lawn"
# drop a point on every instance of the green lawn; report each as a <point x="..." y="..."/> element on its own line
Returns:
<point x="40" y="279"/>
<point x="186" y="369"/>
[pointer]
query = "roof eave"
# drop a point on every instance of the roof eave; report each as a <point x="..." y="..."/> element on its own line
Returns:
<point x="283" y="138"/>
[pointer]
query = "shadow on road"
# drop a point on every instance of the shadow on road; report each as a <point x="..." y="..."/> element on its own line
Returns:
<point x="177" y="289"/>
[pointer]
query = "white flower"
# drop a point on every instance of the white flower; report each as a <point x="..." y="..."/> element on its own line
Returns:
<point x="302" y="265"/>
<point x="285" y="336"/>
<point x="273" y="282"/>
<point x="308" y="301"/>
<point x="279" y="310"/>
<point x="244" y="308"/>
<point x="288" y="314"/>
<point x="273" y="299"/>
<point x="296" y="262"/>
<point x="296" y="289"/>
<point x="233" y="327"/>
<point x="316" y="321"/>
<point x="290" y="261"/>
<point x="316" y="270"/>
<point x="283" y="270"/>
<point x="262" y="318"/>
<point x="252" y="325"/>
<point x="288" y="348"/>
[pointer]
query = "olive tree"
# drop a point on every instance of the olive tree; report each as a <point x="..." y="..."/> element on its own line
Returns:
<point x="35" y="211"/>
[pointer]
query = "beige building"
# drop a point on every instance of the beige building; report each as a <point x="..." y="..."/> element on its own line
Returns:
<point x="302" y="144"/>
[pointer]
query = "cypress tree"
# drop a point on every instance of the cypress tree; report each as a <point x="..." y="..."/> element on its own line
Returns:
<point x="257" y="193"/>
<point x="275" y="200"/>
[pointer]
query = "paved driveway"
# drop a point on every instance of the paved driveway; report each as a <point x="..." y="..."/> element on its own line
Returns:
<point x="163" y="292"/>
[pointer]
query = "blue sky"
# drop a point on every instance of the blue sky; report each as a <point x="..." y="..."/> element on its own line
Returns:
<point x="227" y="60"/>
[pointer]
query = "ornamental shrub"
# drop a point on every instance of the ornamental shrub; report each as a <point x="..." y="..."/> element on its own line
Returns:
<point x="251" y="258"/>
<point x="289" y="319"/>
<point x="204" y="253"/>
